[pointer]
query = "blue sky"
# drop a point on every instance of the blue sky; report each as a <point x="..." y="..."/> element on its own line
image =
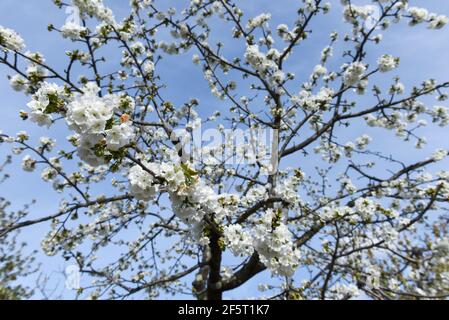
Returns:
<point x="423" y="55"/>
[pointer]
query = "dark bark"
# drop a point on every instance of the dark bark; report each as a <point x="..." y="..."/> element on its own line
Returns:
<point x="249" y="270"/>
<point x="214" y="285"/>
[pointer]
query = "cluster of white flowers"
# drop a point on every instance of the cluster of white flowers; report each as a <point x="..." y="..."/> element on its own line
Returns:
<point x="437" y="21"/>
<point x="287" y="189"/>
<point x="270" y="238"/>
<point x="23" y="136"/>
<point x="352" y="12"/>
<point x="330" y="212"/>
<point x="254" y="194"/>
<point x="92" y="118"/>
<point x="318" y="72"/>
<point x="148" y="67"/>
<point x="439" y="154"/>
<point x="238" y="241"/>
<point x="35" y="71"/>
<point x="11" y="40"/>
<point x="48" y="174"/>
<point x="258" y="21"/>
<point x="354" y="73"/>
<point x="273" y="243"/>
<point x="418" y="15"/>
<point x="191" y="198"/>
<point x="433" y="267"/>
<point x="88" y="113"/>
<point x="95" y="8"/>
<point x="18" y="82"/>
<point x="346" y="184"/>
<point x="49" y="243"/>
<point x="387" y="63"/>
<point x="86" y="145"/>
<point x="330" y="152"/>
<point x="363" y="141"/>
<point x="50" y="98"/>
<point x="440" y="114"/>
<point x="202" y="199"/>
<point x="257" y="59"/>
<point x="209" y="76"/>
<point x="283" y="32"/>
<point x="73" y="31"/>
<point x="365" y="208"/>
<point x="442" y="246"/>
<point x="265" y="64"/>
<point x="397" y="88"/>
<point x="143" y="184"/>
<point x="28" y="164"/>
<point x="326" y="53"/>
<point x="119" y="136"/>
<point x="308" y="101"/>
<point x="47" y="143"/>
<point x="140" y="4"/>
<point x="348" y="148"/>
<point x="344" y="291"/>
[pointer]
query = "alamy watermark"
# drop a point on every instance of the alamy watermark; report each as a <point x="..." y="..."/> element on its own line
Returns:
<point x="73" y="277"/>
<point x="229" y="147"/>
<point x="373" y="18"/>
<point x="74" y="15"/>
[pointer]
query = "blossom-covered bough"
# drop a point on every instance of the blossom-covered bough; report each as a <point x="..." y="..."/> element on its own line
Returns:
<point x="324" y="219"/>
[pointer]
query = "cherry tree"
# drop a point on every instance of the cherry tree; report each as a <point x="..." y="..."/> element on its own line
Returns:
<point x="150" y="212"/>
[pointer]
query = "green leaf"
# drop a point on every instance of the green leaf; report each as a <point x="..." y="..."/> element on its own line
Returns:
<point x="109" y="123"/>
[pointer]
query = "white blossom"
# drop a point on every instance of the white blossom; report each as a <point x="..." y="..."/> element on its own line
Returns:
<point x="354" y="73"/>
<point x="11" y="40"/>
<point x="48" y="99"/>
<point x="28" y="164"/>
<point x="439" y="154"/>
<point x="73" y="31"/>
<point x="387" y="63"/>
<point x="119" y="136"/>
<point x="142" y="183"/>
